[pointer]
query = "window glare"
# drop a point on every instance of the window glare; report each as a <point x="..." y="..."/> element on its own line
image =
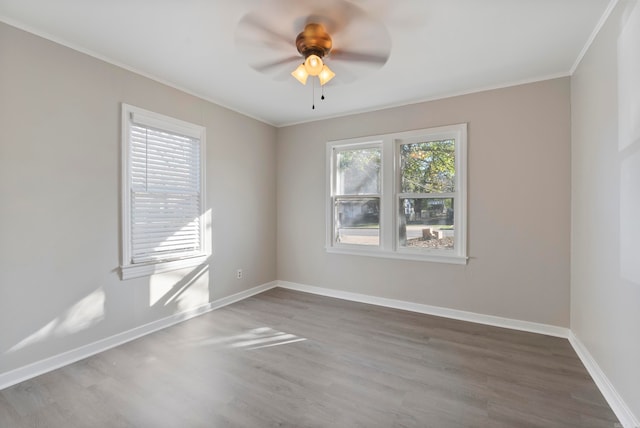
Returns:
<point x="358" y="172"/>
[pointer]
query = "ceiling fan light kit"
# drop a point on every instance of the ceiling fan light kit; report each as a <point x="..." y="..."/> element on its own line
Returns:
<point x="313" y="44"/>
<point x="317" y="68"/>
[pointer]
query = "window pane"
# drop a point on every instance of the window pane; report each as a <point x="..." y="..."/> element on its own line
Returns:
<point x="426" y="223"/>
<point x="357" y="221"/>
<point x="358" y="172"/>
<point x="428" y="167"/>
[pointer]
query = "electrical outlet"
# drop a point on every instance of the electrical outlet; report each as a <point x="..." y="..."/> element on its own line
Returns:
<point x="239" y="274"/>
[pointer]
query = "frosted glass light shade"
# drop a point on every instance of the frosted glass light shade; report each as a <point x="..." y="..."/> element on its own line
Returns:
<point x="313" y="65"/>
<point x="301" y="74"/>
<point x="325" y="75"/>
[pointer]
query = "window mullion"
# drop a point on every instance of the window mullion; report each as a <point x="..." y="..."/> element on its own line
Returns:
<point x="388" y="204"/>
<point x="364" y="195"/>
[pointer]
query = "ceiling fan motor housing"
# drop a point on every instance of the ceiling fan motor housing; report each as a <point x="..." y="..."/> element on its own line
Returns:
<point x="313" y="40"/>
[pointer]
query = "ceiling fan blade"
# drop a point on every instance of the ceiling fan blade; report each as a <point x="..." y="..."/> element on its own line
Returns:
<point x="268" y="66"/>
<point x="251" y="21"/>
<point x="250" y="45"/>
<point x="373" y="58"/>
<point x="283" y="76"/>
<point x="343" y="75"/>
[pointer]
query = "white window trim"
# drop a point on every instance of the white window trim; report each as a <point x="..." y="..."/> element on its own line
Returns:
<point x="141" y="116"/>
<point x="390" y="176"/>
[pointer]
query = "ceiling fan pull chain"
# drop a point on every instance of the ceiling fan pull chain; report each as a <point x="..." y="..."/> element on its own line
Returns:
<point x="322" y="97"/>
<point x="313" y="94"/>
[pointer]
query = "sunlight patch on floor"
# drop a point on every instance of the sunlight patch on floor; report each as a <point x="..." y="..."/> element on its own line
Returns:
<point x="262" y="337"/>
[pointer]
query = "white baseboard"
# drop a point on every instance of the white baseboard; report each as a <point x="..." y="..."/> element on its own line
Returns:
<point x="619" y="407"/>
<point x="43" y="366"/>
<point x="617" y="404"/>
<point x="549" y="330"/>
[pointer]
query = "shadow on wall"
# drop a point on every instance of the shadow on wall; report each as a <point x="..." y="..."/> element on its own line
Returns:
<point x="169" y="293"/>
<point x="629" y="143"/>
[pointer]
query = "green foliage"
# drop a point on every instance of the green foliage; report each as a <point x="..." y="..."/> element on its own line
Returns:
<point x="428" y="167"/>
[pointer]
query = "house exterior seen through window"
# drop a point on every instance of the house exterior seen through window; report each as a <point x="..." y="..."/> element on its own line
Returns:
<point x="399" y="195"/>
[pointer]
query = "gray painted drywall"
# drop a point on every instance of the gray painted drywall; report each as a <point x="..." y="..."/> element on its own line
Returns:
<point x="60" y="184"/>
<point x="519" y="206"/>
<point x="605" y="244"/>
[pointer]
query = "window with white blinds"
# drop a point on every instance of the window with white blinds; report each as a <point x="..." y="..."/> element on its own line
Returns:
<point x="163" y="193"/>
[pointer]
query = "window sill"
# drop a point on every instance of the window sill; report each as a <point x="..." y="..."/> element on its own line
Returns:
<point x="148" y="269"/>
<point x="400" y="255"/>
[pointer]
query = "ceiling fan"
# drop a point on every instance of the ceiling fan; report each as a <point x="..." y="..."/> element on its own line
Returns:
<point x="336" y="33"/>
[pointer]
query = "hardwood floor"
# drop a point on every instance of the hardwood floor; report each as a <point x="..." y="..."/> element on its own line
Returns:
<point x="291" y="359"/>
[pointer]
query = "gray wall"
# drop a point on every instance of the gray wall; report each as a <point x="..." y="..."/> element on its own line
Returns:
<point x="59" y="215"/>
<point x="605" y="244"/>
<point x="519" y="206"/>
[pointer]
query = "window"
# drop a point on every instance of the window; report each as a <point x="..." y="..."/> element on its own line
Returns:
<point x="356" y="199"/>
<point x="163" y="221"/>
<point x="399" y="195"/>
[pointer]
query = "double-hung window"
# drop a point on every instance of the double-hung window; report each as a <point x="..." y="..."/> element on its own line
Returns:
<point x="163" y="221"/>
<point x="356" y="196"/>
<point x="399" y="195"/>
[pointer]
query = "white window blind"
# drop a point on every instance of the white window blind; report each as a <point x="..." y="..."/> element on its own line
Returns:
<point x="165" y="195"/>
<point x="163" y="216"/>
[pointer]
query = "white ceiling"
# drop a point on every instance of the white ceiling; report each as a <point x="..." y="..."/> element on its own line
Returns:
<point x="438" y="48"/>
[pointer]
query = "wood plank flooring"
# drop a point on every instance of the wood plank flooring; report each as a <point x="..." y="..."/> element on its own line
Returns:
<point x="291" y="359"/>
